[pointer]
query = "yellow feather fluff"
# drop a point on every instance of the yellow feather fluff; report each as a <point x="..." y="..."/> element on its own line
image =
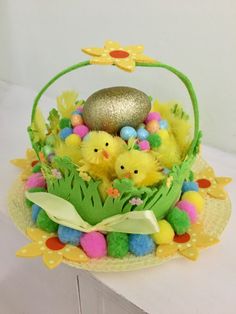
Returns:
<point x="141" y="167"/>
<point x="62" y="150"/>
<point x="66" y="103"/>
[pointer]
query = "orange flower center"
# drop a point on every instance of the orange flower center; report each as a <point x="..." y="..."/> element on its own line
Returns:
<point x="119" y="54"/>
<point x="204" y="183"/>
<point x="54" y="244"/>
<point x="183" y="238"/>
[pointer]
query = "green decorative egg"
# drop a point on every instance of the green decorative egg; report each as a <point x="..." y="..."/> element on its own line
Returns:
<point x="112" y="108"/>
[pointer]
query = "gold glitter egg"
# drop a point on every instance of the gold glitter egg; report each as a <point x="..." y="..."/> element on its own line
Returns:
<point x="112" y="108"/>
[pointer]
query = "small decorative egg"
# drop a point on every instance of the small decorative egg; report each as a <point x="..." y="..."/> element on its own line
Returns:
<point x="144" y="145"/>
<point x="194" y="198"/>
<point x="94" y="244"/>
<point x="73" y="140"/>
<point x="152" y="126"/>
<point x="76" y="119"/>
<point x="111" y="108"/>
<point x="166" y="233"/>
<point x="81" y="130"/>
<point x="142" y="134"/>
<point x="153" y="116"/>
<point x="65" y="132"/>
<point x="127" y="132"/>
<point x="163" y="124"/>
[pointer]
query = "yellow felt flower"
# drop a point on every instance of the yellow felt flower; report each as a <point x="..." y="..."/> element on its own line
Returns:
<point x="113" y="53"/>
<point x="51" y="249"/>
<point x="211" y="185"/>
<point x="26" y="164"/>
<point x="188" y="244"/>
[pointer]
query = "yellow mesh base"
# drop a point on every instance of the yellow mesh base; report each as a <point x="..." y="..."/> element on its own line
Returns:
<point x="215" y="218"/>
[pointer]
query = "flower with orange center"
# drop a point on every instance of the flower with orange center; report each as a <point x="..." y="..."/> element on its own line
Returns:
<point x="187" y="244"/>
<point x="26" y="164"/>
<point x="124" y="58"/>
<point x="211" y="185"/>
<point x="51" y="249"/>
<point x="112" y="192"/>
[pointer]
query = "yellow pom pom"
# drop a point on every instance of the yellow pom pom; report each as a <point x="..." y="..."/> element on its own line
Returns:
<point x="194" y="198"/>
<point x="73" y="140"/>
<point x="163" y="134"/>
<point x="166" y="233"/>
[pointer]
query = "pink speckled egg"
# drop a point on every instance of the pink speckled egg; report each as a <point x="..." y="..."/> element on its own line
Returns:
<point x="76" y="119"/>
<point x="189" y="209"/>
<point x="94" y="244"/>
<point x="81" y="130"/>
<point x="152" y="126"/>
<point x="36" y="180"/>
<point x="144" y="145"/>
<point x="153" y="116"/>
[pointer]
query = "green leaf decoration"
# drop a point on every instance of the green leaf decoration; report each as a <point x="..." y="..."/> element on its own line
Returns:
<point x="54" y="119"/>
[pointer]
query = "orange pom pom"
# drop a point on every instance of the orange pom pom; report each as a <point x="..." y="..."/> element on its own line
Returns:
<point x="152" y="126"/>
<point x="76" y="119"/>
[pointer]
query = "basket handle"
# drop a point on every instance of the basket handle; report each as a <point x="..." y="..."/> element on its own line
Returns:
<point x="179" y="74"/>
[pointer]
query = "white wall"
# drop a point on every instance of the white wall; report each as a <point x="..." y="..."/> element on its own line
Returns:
<point x="39" y="38"/>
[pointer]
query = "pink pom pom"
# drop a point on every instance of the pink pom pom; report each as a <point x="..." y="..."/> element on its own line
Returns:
<point x="81" y="130"/>
<point x="144" y="145"/>
<point x="153" y="116"/>
<point x="80" y="109"/>
<point x="189" y="209"/>
<point x="94" y="244"/>
<point x="36" y="180"/>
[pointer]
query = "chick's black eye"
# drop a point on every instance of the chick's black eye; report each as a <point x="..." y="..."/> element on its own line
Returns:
<point x="96" y="150"/>
<point x="136" y="171"/>
<point x="122" y="167"/>
<point x="107" y="144"/>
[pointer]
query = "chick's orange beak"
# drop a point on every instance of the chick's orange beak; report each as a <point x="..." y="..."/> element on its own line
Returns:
<point x="128" y="175"/>
<point x="105" y="154"/>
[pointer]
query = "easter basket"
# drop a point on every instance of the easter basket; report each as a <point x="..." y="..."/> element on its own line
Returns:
<point x="72" y="199"/>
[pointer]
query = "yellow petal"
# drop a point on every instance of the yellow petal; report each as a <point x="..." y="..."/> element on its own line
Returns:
<point x="36" y="234"/>
<point x="30" y="250"/>
<point x="143" y="58"/>
<point x="217" y="191"/>
<point x="204" y="240"/>
<point x="126" y="64"/>
<point x="20" y="163"/>
<point x="166" y="250"/>
<point x="93" y="51"/>
<point x="223" y="180"/>
<point x="207" y="173"/>
<point x="191" y="253"/>
<point x="111" y="45"/>
<point x="31" y="155"/>
<point x="52" y="259"/>
<point x="75" y="254"/>
<point x="101" y="60"/>
<point x="134" y="49"/>
<point x="196" y="229"/>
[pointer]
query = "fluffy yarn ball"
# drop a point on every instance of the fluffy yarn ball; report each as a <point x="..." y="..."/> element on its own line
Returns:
<point x="189" y="209"/>
<point x="73" y="140"/>
<point x="35" y="211"/>
<point x="69" y="235"/>
<point x="65" y="132"/>
<point x="179" y="220"/>
<point x="154" y="140"/>
<point x="117" y="244"/>
<point x="194" y="198"/>
<point x="190" y="186"/>
<point x="166" y="233"/>
<point x="144" y="145"/>
<point x="45" y="223"/>
<point x="153" y="116"/>
<point x="94" y="244"/>
<point x="64" y="123"/>
<point x="36" y="180"/>
<point x="141" y="244"/>
<point x="81" y="130"/>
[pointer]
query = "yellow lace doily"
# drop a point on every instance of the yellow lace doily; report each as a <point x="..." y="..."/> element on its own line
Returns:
<point x="215" y="218"/>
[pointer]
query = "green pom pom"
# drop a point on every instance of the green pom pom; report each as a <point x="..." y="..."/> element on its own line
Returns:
<point x="45" y="223"/>
<point x="136" y="147"/>
<point x="179" y="220"/>
<point x="28" y="203"/>
<point x="64" y="123"/>
<point x="37" y="168"/>
<point x="154" y="140"/>
<point x="117" y="244"/>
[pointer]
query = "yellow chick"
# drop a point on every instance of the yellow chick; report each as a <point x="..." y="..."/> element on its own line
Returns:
<point x="99" y="151"/>
<point x="141" y="167"/>
<point x="62" y="150"/>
